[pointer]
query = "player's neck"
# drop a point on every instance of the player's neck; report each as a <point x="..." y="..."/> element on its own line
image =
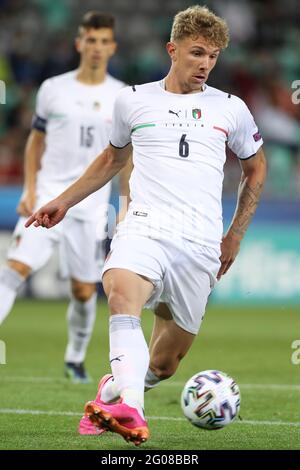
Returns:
<point x="173" y="85"/>
<point x="90" y="76"/>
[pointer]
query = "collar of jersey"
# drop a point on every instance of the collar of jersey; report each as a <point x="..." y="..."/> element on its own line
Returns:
<point x="162" y="85"/>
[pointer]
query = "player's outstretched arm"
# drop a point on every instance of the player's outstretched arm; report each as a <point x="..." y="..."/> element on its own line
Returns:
<point x="33" y="153"/>
<point x="101" y="170"/>
<point x="253" y="177"/>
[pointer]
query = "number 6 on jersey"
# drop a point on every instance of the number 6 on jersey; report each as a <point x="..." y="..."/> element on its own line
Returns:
<point x="184" y="147"/>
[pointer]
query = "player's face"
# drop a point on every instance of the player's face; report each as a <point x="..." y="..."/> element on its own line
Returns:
<point x="96" y="46"/>
<point x="192" y="61"/>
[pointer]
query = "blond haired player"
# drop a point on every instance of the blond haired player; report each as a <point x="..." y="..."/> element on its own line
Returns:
<point x="170" y="249"/>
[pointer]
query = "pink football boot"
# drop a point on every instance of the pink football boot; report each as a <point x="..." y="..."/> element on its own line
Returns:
<point x="86" y="427"/>
<point x="119" y="418"/>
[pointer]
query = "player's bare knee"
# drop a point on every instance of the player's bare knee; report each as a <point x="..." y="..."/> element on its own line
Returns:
<point x="82" y="291"/>
<point x="82" y="296"/>
<point x="162" y="374"/>
<point x="118" y="301"/>
<point x="22" y="269"/>
<point x="162" y="370"/>
<point x="164" y="366"/>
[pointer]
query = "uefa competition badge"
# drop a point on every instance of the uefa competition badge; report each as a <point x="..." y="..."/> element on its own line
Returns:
<point x="196" y="113"/>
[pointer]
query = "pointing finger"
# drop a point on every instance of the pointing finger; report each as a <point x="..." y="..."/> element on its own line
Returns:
<point x="30" y="221"/>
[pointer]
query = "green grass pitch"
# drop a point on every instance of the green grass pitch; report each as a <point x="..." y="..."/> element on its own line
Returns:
<point x="39" y="409"/>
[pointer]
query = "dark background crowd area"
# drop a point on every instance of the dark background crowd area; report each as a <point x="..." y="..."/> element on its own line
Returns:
<point x="261" y="65"/>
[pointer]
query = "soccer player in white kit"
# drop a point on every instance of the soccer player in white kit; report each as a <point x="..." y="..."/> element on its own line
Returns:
<point x="71" y="125"/>
<point x="170" y="249"/>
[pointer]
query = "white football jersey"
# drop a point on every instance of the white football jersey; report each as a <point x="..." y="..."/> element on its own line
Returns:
<point x="77" y="120"/>
<point x="179" y="143"/>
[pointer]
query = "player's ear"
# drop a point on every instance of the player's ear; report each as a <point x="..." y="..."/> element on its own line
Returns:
<point x="77" y="44"/>
<point x="114" y="47"/>
<point x="171" y="50"/>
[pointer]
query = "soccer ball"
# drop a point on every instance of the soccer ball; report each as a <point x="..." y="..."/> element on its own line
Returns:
<point x="210" y="399"/>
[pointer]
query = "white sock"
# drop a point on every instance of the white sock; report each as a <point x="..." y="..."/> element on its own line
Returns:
<point x="81" y="318"/>
<point x="109" y="392"/>
<point x="129" y="359"/>
<point x="151" y="380"/>
<point x="10" y="281"/>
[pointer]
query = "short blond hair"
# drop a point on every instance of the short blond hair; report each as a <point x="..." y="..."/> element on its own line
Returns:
<point x="200" y="21"/>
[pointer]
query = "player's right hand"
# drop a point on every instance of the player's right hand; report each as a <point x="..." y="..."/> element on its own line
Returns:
<point x="27" y="203"/>
<point x="48" y="215"/>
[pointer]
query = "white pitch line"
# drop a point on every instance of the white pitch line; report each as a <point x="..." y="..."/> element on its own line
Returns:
<point x="25" y="379"/>
<point x="268" y="423"/>
<point x="272" y="386"/>
<point x="241" y="385"/>
<point x="11" y="411"/>
<point x="11" y="378"/>
<point x="154" y="418"/>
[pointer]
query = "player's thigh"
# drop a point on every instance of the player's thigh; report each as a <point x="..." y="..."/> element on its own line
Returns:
<point x="133" y="272"/>
<point x="169" y="343"/>
<point x="31" y="246"/>
<point x="82" y="253"/>
<point x="126" y="291"/>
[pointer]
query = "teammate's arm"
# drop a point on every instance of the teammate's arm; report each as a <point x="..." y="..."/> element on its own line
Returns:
<point x="252" y="180"/>
<point x="33" y="152"/>
<point x="101" y="170"/>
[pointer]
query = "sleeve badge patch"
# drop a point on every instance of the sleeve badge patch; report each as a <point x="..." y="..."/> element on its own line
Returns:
<point x="257" y="136"/>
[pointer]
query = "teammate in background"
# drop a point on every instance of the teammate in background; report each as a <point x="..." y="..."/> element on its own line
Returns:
<point x="169" y="250"/>
<point x="71" y="125"/>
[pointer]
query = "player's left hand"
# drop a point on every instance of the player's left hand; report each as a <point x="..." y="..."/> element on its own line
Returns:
<point x="230" y="247"/>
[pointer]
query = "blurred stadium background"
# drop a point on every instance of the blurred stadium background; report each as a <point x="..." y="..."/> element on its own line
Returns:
<point x="252" y="342"/>
<point x="261" y="64"/>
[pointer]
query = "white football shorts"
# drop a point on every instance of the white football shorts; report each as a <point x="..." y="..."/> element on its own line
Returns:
<point x="183" y="273"/>
<point x="82" y="254"/>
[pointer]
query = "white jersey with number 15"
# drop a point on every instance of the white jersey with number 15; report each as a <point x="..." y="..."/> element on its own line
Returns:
<point x="77" y="121"/>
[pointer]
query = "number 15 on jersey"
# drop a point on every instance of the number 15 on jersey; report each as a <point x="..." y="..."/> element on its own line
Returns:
<point x="86" y="136"/>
